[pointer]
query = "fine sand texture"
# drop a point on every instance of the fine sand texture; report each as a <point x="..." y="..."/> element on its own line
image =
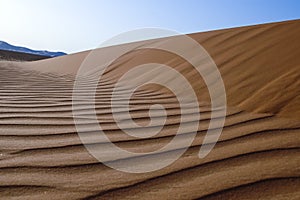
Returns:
<point x="257" y="155"/>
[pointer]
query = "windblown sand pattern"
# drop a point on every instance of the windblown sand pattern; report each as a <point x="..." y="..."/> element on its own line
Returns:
<point x="256" y="157"/>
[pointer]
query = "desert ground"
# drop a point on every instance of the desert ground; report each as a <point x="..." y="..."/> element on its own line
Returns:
<point x="18" y="56"/>
<point x="257" y="155"/>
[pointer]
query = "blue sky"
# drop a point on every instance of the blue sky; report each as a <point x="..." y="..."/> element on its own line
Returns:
<point x="77" y="25"/>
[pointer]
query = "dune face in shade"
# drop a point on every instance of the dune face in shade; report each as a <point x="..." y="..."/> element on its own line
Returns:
<point x="257" y="155"/>
<point x="17" y="56"/>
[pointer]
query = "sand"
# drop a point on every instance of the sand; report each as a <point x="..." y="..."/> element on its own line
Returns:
<point x="19" y="56"/>
<point x="256" y="157"/>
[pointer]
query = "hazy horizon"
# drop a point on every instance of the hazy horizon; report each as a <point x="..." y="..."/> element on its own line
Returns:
<point x="73" y="26"/>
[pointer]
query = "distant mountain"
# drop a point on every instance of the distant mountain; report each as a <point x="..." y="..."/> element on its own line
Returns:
<point x="9" y="47"/>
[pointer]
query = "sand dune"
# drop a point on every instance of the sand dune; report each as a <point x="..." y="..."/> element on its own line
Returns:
<point x="256" y="157"/>
<point x="19" y="56"/>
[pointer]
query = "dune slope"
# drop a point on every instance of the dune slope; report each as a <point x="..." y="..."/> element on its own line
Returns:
<point x="256" y="157"/>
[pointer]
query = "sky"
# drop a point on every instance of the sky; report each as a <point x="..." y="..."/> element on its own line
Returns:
<point x="77" y="25"/>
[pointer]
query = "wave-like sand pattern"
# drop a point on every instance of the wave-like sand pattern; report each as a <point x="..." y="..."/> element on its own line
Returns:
<point x="256" y="157"/>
